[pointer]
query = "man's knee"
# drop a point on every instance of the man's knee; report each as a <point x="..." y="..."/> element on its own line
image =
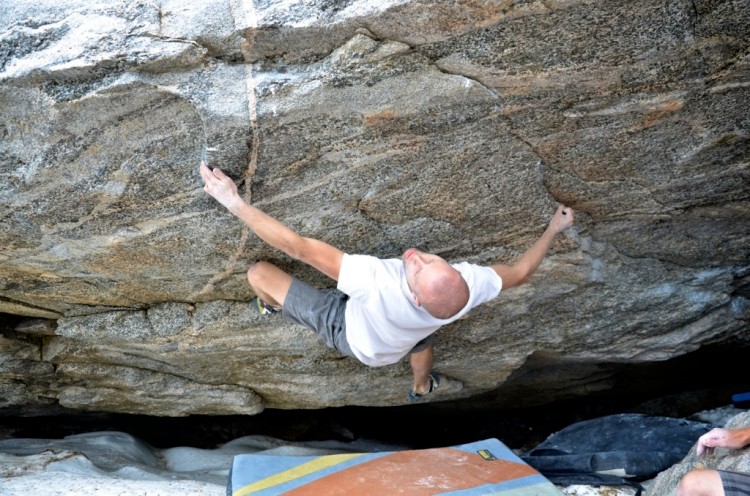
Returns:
<point x="259" y="272"/>
<point x="699" y="483"/>
<point x="687" y="485"/>
<point x="683" y="488"/>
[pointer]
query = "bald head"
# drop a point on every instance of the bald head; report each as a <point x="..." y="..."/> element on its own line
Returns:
<point x="436" y="285"/>
<point x="443" y="293"/>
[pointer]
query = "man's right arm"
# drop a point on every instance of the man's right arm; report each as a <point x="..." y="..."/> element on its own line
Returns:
<point x="723" y="438"/>
<point x="320" y="255"/>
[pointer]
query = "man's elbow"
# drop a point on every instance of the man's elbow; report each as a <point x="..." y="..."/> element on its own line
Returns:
<point x="521" y="275"/>
<point x="306" y="250"/>
<point x="513" y="275"/>
<point x="297" y="248"/>
<point x="524" y="280"/>
<point x="514" y="282"/>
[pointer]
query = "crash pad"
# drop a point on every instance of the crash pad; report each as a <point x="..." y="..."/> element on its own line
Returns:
<point x="478" y="468"/>
<point x="626" y="445"/>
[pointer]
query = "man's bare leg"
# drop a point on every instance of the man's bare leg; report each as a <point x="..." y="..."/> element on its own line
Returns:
<point x="269" y="282"/>
<point x="421" y="366"/>
<point x="701" y="483"/>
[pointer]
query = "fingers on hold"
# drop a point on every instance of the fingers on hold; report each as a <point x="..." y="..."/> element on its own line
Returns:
<point x="562" y="209"/>
<point x="218" y="173"/>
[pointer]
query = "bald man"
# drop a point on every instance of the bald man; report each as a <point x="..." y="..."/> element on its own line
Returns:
<point x="385" y="309"/>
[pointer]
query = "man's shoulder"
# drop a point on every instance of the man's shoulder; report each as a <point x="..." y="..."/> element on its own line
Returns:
<point x="469" y="267"/>
<point x="363" y="265"/>
<point x="358" y="258"/>
<point x="475" y="274"/>
<point x="363" y="275"/>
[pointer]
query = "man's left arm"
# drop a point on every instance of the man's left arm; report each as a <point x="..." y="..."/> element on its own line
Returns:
<point x="526" y="265"/>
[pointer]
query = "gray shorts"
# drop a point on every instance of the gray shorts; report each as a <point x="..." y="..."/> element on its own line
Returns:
<point x="323" y="311"/>
<point x="735" y="483"/>
<point x="320" y="311"/>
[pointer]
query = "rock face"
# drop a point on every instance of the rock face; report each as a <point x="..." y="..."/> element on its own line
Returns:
<point x="455" y="127"/>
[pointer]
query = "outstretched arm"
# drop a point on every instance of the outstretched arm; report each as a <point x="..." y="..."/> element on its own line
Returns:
<point x="521" y="271"/>
<point x="320" y="255"/>
<point x="723" y="438"/>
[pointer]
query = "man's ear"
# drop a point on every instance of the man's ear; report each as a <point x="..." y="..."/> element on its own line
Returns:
<point x="416" y="300"/>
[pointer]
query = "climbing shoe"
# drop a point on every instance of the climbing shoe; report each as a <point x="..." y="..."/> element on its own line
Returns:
<point x="434" y="382"/>
<point x="262" y="307"/>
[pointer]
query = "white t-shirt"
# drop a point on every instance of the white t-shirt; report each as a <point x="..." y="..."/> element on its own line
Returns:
<point x="382" y="321"/>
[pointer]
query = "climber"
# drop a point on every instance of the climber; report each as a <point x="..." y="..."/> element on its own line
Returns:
<point x="705" y="482"/>
<point x="385" y="309"/>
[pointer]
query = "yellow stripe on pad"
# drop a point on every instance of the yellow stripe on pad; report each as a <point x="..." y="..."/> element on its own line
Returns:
<point x="295" y="473"/>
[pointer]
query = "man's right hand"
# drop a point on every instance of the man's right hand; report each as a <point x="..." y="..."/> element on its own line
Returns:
<point x="562" y="219"/>
<point x="221" y="187"/>
<point x="723" y="438"/>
